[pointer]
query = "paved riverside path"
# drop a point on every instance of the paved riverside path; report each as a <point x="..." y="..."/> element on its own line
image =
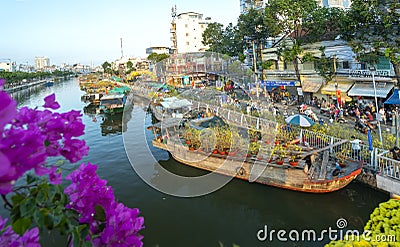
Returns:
<point x="24" y="86"/>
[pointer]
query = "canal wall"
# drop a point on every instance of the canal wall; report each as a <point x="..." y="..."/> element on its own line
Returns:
<point x="24" y="86"/>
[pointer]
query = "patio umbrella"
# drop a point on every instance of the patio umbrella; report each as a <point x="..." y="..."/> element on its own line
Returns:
<point x="300" y="120"/>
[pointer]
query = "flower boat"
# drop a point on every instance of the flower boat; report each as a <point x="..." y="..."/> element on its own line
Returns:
<point x="314" y="172"/>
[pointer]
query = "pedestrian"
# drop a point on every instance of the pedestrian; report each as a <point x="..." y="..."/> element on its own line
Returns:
<point x="382" y="115"/>
<point x="356" y="148"/>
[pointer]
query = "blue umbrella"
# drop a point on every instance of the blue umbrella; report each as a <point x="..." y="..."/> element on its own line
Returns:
<point x="300" y="120"/>
<point x="370" y="141"/>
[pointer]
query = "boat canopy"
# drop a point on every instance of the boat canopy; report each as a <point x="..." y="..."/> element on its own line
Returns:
<point x="112" y="96"/>
<point x="175" y="103"/>
<point x="120" y="90"/>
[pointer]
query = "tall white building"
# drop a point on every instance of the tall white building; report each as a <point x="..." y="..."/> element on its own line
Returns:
<point x="41" y="63"/>
<point x="189" y="28"/>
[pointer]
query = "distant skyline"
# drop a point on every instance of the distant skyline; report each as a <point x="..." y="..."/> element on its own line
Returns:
<point x="89" y="31"/>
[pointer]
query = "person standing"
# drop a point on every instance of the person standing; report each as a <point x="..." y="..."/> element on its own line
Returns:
<point x="382" y="114"/>
<point x="356" y="148"/>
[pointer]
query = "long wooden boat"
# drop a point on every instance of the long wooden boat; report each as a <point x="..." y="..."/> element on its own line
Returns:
<point x="314" y="178"/>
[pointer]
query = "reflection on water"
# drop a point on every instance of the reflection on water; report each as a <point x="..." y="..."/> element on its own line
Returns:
<point x="114" y="124"/>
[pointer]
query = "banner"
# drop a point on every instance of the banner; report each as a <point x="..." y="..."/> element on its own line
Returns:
<point x="277" y="83"/>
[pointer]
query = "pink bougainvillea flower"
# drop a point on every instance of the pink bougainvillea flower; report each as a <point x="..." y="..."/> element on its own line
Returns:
<point x="50" y="102"/>
<point x="7" y="109"/>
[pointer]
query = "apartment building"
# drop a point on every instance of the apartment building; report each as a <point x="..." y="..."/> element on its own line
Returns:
<point x="187" y="32"/>
<point x="41" y="63"/>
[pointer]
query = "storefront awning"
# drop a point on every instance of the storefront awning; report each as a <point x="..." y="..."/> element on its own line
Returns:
<point x="310" y="86"/>
<point x="367" y="89"/>
<point x="394" y="99"/>
<point x="330" y="88"/>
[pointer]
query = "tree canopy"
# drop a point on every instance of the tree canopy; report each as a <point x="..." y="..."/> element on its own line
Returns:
<point x="373" y="28"/>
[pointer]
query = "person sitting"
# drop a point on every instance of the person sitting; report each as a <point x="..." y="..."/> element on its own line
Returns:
<point x="337" y="171"/>
<point x="395" y="151"/>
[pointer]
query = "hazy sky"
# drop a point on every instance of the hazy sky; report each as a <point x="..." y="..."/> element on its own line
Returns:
<point x="88" y="31"/>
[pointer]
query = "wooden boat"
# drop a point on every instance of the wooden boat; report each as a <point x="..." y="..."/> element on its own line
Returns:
<point x="170" y="107"/>
<point x="112" y="103"/>
<point x="316" y="178"/>
<point x="49" y="83"/>
<point x="92" y="98"/>
<point x="316" y="172"/>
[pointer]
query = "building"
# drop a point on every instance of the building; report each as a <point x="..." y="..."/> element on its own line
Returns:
<point x="41" y="63"/>
<point x="245" y="5"/>
<point x="187" y="32"/>
<point x="8" y="66"/>
<point x="138" y="64"/>
<point x="352" y="78"/>
<point x="344" y="4"/>
<point x="158" y="50"/>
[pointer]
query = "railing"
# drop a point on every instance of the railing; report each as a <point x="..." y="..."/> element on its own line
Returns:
<point x="387" y="166"/>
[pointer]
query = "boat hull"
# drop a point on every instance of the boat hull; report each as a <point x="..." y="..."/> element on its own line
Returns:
<point x="281" y="176"/>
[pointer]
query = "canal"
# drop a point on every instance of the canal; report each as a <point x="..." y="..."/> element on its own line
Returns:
<point x="233" y="214"/>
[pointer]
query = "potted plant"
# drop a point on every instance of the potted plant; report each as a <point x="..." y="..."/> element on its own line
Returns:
<point x="293" y="160"/>
<point x="341" y="156"/>
<point x="281" y="153"/>
<point x="254" y="147"/>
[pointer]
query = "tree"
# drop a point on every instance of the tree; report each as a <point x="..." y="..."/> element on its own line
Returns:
<point x="107" y="67"/>
<point x="225" y="41"/>
<point x="373" y="28"/>
<point x="213" y="36"/>
<point x="155" y="57"/>
<point x="303" y="22"/>
<point x="255" y="27"/>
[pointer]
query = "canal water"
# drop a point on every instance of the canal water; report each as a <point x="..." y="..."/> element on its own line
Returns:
<point x="232" y="215"/>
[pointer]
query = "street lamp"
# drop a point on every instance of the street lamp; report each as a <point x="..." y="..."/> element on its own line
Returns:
<point x="372" y="69"/>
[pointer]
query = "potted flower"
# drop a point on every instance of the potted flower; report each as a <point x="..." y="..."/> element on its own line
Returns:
<point x="281" y="153"/>
<point x="341" y="157"/>
<point x="293" y="160"/>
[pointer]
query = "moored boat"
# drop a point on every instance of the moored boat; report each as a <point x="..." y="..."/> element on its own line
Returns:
<point x="317" y="169"/>
<point x="112" y="103"/>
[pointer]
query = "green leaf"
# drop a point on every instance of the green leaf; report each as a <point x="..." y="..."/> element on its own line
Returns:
<point x="21" y="225"/>
<point x="30" y="178"/>
<point x="100" y="213"/>
<point x="27" y="207"/>
<point x="38" y="218"/>
<point x="16" y="199"/>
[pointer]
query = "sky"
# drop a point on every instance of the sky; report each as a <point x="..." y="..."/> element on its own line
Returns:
<point x="89" y="31"/>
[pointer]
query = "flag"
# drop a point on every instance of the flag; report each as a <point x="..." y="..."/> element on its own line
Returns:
<point x="370" y="140"/>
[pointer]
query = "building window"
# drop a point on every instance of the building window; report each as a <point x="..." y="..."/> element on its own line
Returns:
<point x="186" y="25"/>
<point x="187" y="34"/>
<point x="187" y="43"/>
<point x="346" y="65"/>
<point x="202" y="26"/>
